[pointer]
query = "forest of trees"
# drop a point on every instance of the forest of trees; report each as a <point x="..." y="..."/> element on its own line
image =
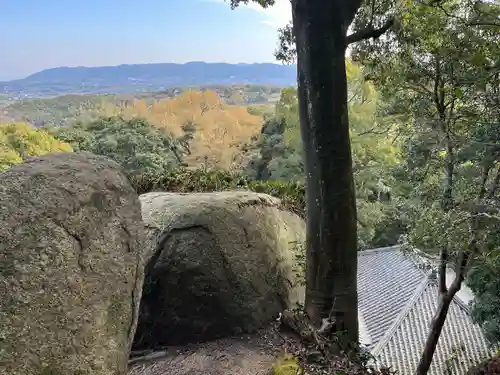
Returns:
<point x="215" y="129"/>
<point x="416" y="161"/>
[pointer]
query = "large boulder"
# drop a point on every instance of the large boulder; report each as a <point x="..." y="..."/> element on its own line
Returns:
<point x="71" y="266"/>
<point x="222" y="263"/>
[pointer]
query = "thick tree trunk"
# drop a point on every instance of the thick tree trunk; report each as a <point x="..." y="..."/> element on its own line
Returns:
<point x="320" y="31"/>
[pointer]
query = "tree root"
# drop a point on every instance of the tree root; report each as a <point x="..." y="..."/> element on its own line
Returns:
<point x="323" y="346"/>
<point x="322" y="339"/>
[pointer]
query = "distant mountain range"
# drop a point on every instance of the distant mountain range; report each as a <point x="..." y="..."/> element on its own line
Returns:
<point x="145" y="78"/>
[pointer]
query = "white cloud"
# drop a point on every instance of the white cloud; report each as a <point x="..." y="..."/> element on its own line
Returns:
<point x="276" y="16"/>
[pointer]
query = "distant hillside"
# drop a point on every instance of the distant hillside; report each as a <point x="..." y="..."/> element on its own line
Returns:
<point x="65" y="109"/>
<point x="145" y="78"/>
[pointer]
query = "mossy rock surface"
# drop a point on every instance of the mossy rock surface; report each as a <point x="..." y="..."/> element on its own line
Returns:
<point x="221" y="264"/>
<point x="71" y="266"/>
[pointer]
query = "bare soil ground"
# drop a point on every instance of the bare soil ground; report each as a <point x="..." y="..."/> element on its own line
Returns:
<point x="243" y="355"/>
<point x="249" y="355"/>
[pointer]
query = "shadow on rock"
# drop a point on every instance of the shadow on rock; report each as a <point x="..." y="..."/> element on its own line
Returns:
<point x="223" y="264"/>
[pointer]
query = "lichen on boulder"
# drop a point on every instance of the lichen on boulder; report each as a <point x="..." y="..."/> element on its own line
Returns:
<point x="71" y="266"/>
<point x="221" y="263"/>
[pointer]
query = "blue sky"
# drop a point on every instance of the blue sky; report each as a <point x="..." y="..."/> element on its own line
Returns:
<point x="40" y="34"/>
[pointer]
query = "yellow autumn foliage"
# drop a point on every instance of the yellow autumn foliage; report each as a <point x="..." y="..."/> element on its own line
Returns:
<point x="220" y="129"/>
<point x="20" y="140"/>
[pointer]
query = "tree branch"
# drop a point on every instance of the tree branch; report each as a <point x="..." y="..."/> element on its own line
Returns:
<point x="463" y="262"/>
<point x="495" y="185"/>
<point x="350" y="9"/>
<point x="488" y="216"/>
<point x="477" y="22"/>
<point x="370" y="32"/>
<point x="443" y="262"/>
<point x="374" y="131"/>
<point x="484" y="179"/>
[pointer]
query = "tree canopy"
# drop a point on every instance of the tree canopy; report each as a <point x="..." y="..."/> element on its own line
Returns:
<point x="439" y="72"/>
<point x="374" y="146"/>
<point x="20" y="140"/>
<point x="135" y="144"/>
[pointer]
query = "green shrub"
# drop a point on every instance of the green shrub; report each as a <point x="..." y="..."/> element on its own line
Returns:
<point x="185" y="180"/>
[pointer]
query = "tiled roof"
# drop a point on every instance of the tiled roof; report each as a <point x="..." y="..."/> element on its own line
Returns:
<point x="386" y="282"/>
<point x="397" y="300"/>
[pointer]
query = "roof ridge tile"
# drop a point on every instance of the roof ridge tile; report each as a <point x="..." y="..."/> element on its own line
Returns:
<point x="401" y="316"/>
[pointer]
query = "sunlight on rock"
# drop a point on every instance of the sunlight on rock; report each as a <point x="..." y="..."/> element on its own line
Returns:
<point x="287" y="365"/>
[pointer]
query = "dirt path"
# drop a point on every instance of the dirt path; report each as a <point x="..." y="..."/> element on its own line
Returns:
<point x="245" y="355"/>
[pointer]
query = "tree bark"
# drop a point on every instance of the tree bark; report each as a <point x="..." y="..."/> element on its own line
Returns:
<point x="331" y="244"/>
<point x="445" y="299"/>
<point x="434" y="333"/>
